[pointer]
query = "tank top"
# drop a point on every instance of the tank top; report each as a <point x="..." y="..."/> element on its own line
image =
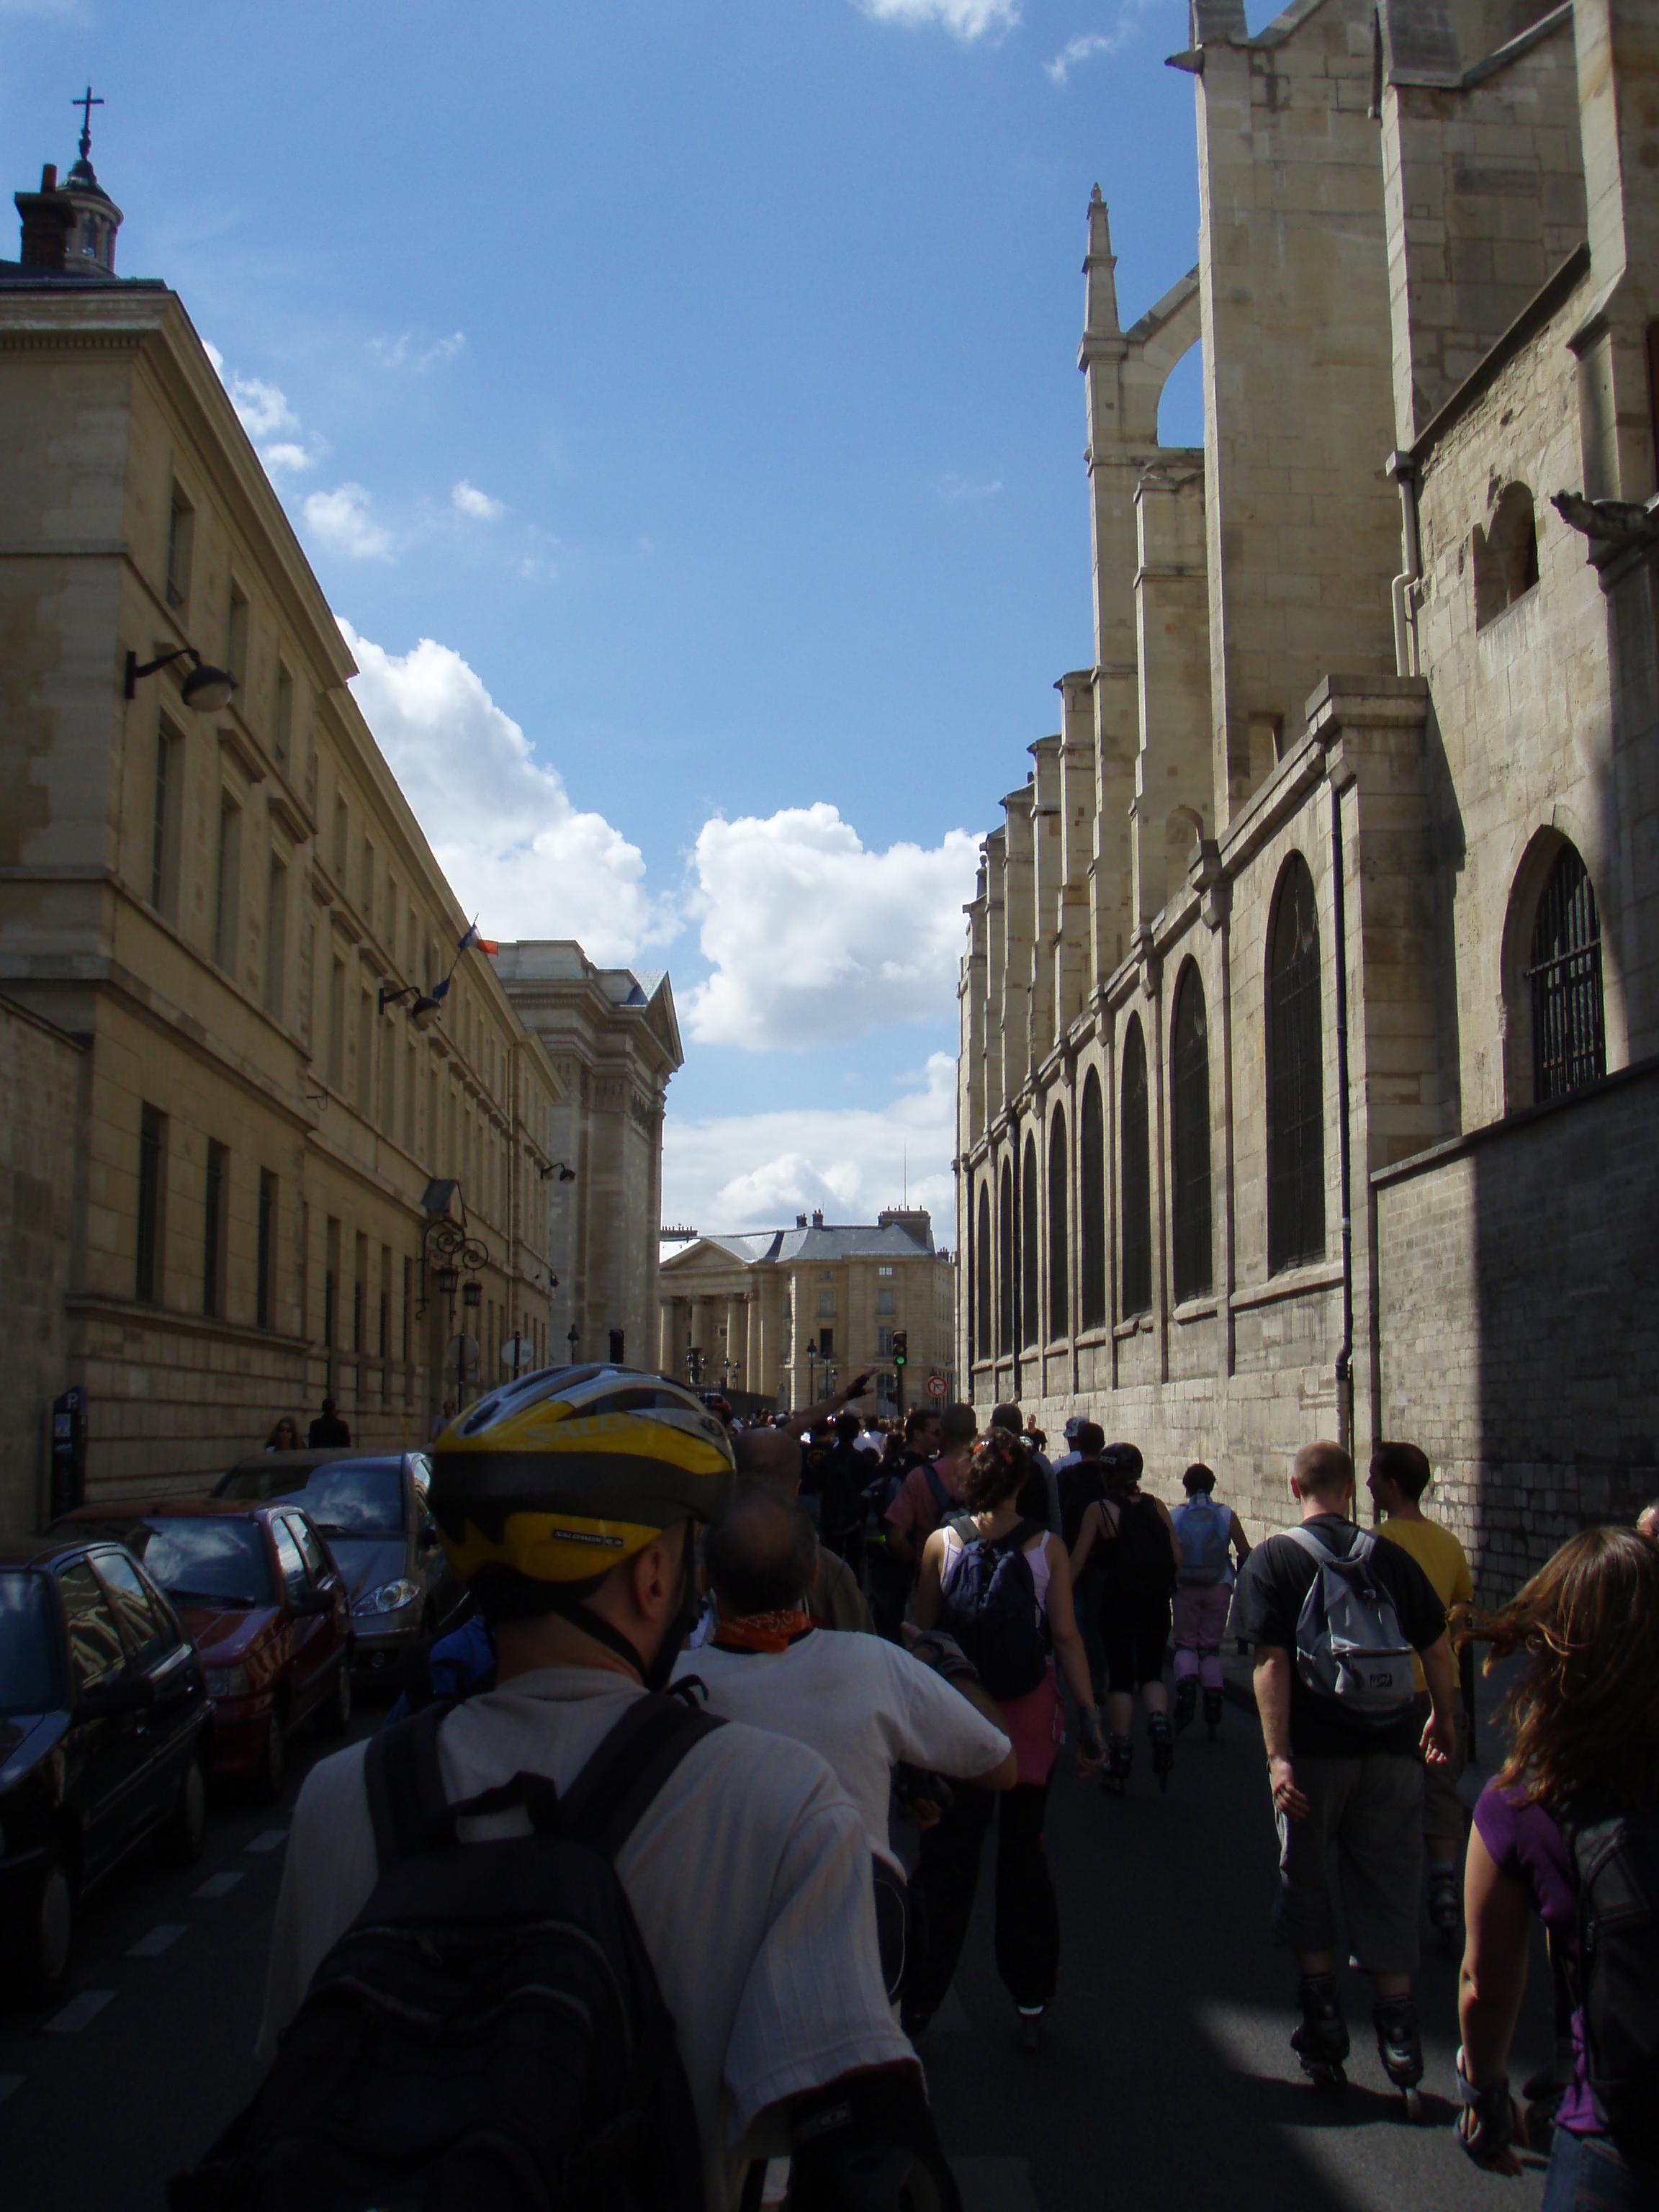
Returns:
<point x="1036" y="1555"/>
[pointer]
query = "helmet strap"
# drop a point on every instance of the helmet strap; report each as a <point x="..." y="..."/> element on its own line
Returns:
<point x="574" y="1609"/>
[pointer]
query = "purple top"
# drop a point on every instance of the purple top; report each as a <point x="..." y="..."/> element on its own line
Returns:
<point x="1527" y="1845"/>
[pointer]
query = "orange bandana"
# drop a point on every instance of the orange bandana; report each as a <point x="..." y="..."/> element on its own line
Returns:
<point x="758" y="1632"/>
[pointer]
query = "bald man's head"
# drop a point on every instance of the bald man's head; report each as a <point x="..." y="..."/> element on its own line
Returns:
<point x="771" y="1456"/>
<point x="762" y="1555"/>
<point x="1322" y="1471"/>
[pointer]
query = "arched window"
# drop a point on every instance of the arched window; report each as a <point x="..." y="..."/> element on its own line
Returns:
<point x="1030" y="1285"/>
<point x="1091" y="1198"/>
<point x="1189" y="1147"/>
<point x="1135" y="1176"/>
<point x="1296" y="1096"/>
<point x="1059" y="1256"/>
<point x="1006" y="1262"/>
<point x="982" y="1255"/>
<point x="1568" y="1042"/>
<point x="1505" y="554"/>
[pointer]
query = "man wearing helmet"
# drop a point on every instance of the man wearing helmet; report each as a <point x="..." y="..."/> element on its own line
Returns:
<point x="570" y="1501"/>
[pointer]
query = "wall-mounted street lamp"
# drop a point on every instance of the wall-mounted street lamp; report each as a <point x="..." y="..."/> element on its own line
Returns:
<point x="204" y="690"/>
<point x="424" y="1010"/>
<point x="573" y="1338"/>
<point x="472" y="1296"/>
<point x="559" y="1169"/>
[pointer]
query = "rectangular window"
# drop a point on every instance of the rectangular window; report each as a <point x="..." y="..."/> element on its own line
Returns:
<point x="275" y="938"/>
<point x="342" y="838"/>
<point x="264" y="1289"/>
<point x="883" y="1271"/>
<point x="152" y="1180"/>
<point x="358" y="1303"/>
<point x="827" y="1305"/>
<point x="408" y="1326"/>
<point x="368" y="884"/>
<point x="236" y="636"/>
<point x="884" y="1302"/>
<point x="169" y="798"/>
<point x="388" y="1086"/>
<point x="410" y="1079"/>
<point x="826" y="1344"/>
<point x="337" y="1027"/>
<point x="331" y="1293"/>
<point x="227" y="885"/>
<point x="365" y="1053"/>
<point x="214" y="1212"/>
<point x="883" y="1343"/>
<point x="181" y="534"/>
<point x="281" y="731"/>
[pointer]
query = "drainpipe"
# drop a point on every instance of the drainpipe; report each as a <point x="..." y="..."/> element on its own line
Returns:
<point x="1404" y="472"/>
<point x="1345" y="1356"/>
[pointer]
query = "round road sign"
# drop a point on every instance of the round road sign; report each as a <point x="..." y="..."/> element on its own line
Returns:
<point x="936" y="1386"/>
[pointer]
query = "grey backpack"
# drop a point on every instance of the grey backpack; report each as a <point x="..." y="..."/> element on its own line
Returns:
<point x="1350" y="1647"/>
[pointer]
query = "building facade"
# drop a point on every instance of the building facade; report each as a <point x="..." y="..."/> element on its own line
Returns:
<point x="1310" y="1013"/>
<point x="793" y="1315"/>
<point x="612" y="1039"/>
<point x="291" y="1089"/>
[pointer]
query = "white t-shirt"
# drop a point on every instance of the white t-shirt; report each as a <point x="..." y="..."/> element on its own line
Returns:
<point x="748" y="1876"/>
<point x="861" y="1703"/>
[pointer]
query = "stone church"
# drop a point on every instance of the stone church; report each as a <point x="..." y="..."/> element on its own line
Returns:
<point x="1309" y="1065"/>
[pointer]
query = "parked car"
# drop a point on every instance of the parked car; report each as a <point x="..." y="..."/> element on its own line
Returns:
<point x="268" y="1609"/>
<point x="104" y="1728"/>
<point x="372" y="1513"/>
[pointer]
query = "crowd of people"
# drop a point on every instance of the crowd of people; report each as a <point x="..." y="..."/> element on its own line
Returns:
<point x="817" y="1660"/>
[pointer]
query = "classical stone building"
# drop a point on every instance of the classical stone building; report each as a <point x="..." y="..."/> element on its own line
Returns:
<point x="1310" y="1013"/>
<point x="792" y="1315"/>
<point x="613" y="1041"/>
<point x="261" y="1085"/>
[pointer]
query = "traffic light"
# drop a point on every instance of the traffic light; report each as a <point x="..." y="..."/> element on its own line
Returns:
<point x="899" y="1354"/>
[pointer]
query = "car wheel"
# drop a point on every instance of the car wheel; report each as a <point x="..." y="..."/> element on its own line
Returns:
<point x="186" y="1830"/>
<point x="273" y="1761"/>
<point x="334" y="1714"/>
<point x="49" y="1933"/>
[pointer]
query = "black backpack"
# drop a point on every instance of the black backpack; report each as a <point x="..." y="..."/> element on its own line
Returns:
<point x="1615" y="1860"/>
<point x="990" y="1607"/>
<point x="488" y="2035"/>
<point x="1140" y="1568"/>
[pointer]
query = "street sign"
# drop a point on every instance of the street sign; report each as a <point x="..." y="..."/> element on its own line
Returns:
<point x="936" y="1386"/>
<point x="461" y="1358"/>
<point x="517" y="1355"/>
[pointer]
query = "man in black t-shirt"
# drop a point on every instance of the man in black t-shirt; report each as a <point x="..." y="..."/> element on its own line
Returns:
<point x="1342" y="1781"/>
<point x="1081" y="1484"/>
<point x="328" y="1432"/>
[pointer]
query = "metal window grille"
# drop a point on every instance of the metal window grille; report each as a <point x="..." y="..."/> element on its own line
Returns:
<point x="1569" y="1040"/>
<point x="1091" y="1178"/>
<point x="1190" y="1112"/>
<point x="1059" y="1254"/>
<point x="1136" y="1177"/>
<point x="1296" y="1105"/>
<point x="1031" y="1264"/>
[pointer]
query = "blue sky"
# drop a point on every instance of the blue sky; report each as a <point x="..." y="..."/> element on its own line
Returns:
<point x="699" y="380"/>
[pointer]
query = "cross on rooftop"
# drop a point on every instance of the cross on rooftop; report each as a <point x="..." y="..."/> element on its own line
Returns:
<point x="86" y="103"/>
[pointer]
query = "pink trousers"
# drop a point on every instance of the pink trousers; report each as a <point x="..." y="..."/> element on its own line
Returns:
<point x="1200" y="1622"/>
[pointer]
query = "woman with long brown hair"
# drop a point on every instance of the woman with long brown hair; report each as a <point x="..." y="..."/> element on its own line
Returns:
<point x="1585" y="1746"/>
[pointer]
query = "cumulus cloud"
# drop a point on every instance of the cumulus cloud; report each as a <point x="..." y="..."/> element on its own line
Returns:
<point x="1088" y="44"/>
<point x="505" y="833"/>
<point x="965" y="19"/>
<point x="468" y="500"/>
<point x="263" y="410"/>
<point x="811" y="937"/>
<point x="760" y="1170"/>
<point x="343" y="521"/>
<point x="406" y="351"/>
<point x="952" y="486"/>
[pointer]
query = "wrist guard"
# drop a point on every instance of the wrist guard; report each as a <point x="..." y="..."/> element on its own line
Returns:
<point x="867" y="2143"/>
<point x="945" y="1655"/>
<point x="1485" y="2127"/>
<point x="909" y="1783"/>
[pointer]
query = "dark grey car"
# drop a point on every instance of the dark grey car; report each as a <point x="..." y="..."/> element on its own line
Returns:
<point x="372" y="1512"/>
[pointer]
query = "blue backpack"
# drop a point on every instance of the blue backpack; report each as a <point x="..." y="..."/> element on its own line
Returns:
<point x="1204" y="1532"/>
<point x="990" y="1606"/>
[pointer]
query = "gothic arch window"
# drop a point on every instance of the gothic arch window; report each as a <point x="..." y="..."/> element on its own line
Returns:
<point x="1059" y="1252"/>
<point x="1092" y="1201"/>
<point x="1135" y="1175"/>
<point x="982" y="1255"/>
<point x="1296" y="1087"/>
<point x="1189" y="1146"/>
<point x="1564" y="976"/>
<point x="1006" y="1262"/>
<point x="1505" y="554"/>
<point x="1031" y="1285"/>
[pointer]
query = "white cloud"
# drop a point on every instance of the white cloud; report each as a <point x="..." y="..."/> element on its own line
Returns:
<point x="953" y="486"/>
<point x="760" y="1170"/>
<point x="263" y="410"/>
<point x="468" y="500"/>
<point x="403" y="351"/>
<point x="286" y="456"/>
<point x="343" y="521"/>
<point x="813" y="938"/>
<point x="966" y="19"/>
<point x="517" y="852"/>
<point x="1078" y="49"/>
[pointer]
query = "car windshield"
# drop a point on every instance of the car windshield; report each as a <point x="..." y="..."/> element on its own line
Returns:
<point x="204" y="1562"/>
<point x="343" y="1497"/>
<point x="27" y="1674"/>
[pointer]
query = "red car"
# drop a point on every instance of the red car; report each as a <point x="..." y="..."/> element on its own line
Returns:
<point x="267" y="1609"/>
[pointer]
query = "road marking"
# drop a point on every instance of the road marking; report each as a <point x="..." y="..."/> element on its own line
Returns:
<point x="272" y="1840"/>
<point x="221" y="1884"/>
<point x="995" y="2185"/>
<point x="161" y="1938"/>
<point x="78" y="2011"/>
<point x="8" y="2084"/>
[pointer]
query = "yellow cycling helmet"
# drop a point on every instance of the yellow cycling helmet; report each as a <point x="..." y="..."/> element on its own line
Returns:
<point x="564" y="1473"/>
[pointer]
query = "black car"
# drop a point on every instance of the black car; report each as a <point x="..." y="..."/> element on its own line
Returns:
<point x="371" y="1514"/>
<point x="103" y="1722"/>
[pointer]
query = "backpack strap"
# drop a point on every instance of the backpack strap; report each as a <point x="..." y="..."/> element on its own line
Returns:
<point x="1019" y="1536"/>
<point x="608" y="1798"/>
<point x="1317" y="1549"/>
<point x="407" y="1803"/>
<point x="942" y="1500"/>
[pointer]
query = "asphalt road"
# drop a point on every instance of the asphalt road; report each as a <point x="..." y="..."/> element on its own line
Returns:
<point x="1167" y="2081"/>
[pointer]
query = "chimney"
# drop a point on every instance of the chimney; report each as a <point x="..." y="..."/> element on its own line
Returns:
<point x="800" y="1221"/>
<point x="817" y="1216"/>
<point x="48" y="218"/>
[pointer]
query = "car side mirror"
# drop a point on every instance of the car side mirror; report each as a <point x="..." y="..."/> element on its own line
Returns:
<point x="312" y="1600"/>
<point x="117" y="1694"/>
<point x="428" y="1531"/>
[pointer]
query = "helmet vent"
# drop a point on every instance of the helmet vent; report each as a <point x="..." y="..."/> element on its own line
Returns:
<point x="481" y="1415"/>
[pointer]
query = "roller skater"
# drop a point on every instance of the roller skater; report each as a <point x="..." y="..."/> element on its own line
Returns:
<point x="1120" y="1763"/>
<point x="1321" y="2041"/>
<point x="1325" y="1606"/>
<point x="1163" y="1736"/>
<point x="1133" y="1532"/>
<point x="1213" y="1702"/>
<point x="1209" y="1536"/>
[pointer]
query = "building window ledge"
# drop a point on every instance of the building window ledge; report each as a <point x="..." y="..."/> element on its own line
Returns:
<point x="1133" y="1327"/>
<point x="1291" y="1283"/>
<point x="1199" y="1308"/>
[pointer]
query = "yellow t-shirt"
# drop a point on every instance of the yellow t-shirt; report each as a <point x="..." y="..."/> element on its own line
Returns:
<point x="1441" y="1559"/>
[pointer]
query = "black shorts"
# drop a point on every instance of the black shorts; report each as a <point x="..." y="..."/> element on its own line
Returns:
<point x="1134" y="1655"/>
